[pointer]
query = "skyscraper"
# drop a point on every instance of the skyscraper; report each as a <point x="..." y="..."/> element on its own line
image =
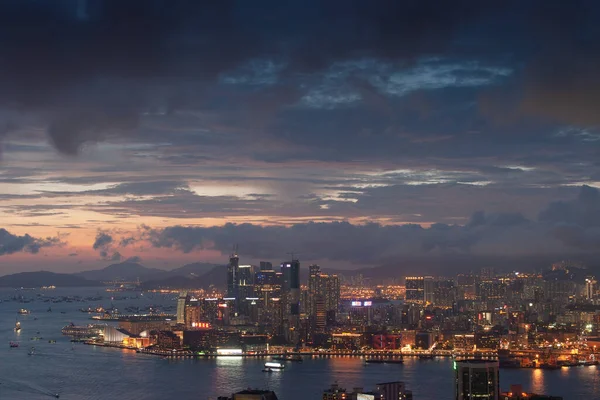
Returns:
<point x="415" y="289"/>
<point x="290" y="291"/>
<point x="314" y="287"/>
<point x="181" y="301"/>
<point x="476" y="379"/>
<point x="428" y="289"/>
<point x="233" y="281"/>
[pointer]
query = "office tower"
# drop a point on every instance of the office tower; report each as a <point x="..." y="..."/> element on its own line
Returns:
<point x="487" y="274"/>
<point x="192" y="314"/>
<point x="233" y="278"/>
<point x="320" y="316"/>
<point x="314" y="288"/>
<point x="393" y="391"/>
<point x="290" y="289"/>
<point x="332" y="294"/>
<point x="181" y="301"/>
<point x="266" y="266"/>
<point x="476" y="380"/>
<point x="428" y="289"/>
<point x="245" y="288"/>
<point x="415" y="289"/>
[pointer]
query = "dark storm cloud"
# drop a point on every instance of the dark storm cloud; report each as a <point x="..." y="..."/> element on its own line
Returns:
<point x="561" y="228"/>
<point x="10" y="243"/>
<point x="93" y="68"/>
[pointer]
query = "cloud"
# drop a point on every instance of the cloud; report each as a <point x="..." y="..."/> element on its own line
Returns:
<point x="134" y="259"/>
<point x="10" y="243"/>
<point x="484" y="234"/>
<point x="102" y="240"/>
<point x="116" y="256"/>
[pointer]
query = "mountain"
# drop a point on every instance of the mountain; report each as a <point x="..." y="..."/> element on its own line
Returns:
<point x="214" y="276"/>
<point x="194" y="270"/>
<point x="128" y="271"/>
<point x="44" y="278"/>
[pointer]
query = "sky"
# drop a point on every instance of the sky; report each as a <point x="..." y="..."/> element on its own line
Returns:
<point x="353" y="133"/>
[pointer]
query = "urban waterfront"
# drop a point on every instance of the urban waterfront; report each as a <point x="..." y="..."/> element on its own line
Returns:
<point x="78" y="371"/>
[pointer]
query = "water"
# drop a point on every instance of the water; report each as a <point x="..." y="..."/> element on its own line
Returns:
<point x="83" y="372"/>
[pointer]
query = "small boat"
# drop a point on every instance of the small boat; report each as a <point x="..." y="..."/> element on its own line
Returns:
<point x="51" y="341"/>
<point x="375" y="361"/>
<point x="14" y="344"/>
<point x="23" y="311"/>
<point x="63" y="312"/>
<point x="426" y="356"/>
<point x="49" y="309"/>
<point x="31" y="351"/>
<point x="267" y="370"/>
<point x="274" y="365"/>
<point x="17" y="326"/>
<point x="291" y="358"/>
<point x="393" y="361"/>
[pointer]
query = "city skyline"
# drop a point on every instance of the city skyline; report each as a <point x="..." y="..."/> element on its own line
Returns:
<point x="356" y="134"/>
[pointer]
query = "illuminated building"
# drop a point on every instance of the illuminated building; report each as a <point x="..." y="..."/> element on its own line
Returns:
<point x="192" y="314"/>
<point x="181" y="300"/>
<point x="415" y="289"/>
<point x="476" y="380"/>
<point x="266" y="266"/>
<point x="136" y="325"/>
<point x="386" y="341"/>
<point x="466" y="286"/>
<point x="428" y="289"/>
<point x="590" y="287"/>
<point x="314" y="288"/>
<point x="245" y="289"/>
<point x="347" y="341"/>
<point x="233" y="278"/>
<point x="444" y="294"/>
<point x="393" y="391"/>
<point x="168" y="340"/>
<point x="320" y="317"/>
<point x="290" y="294"/>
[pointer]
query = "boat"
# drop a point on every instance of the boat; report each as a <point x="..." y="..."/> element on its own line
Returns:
<point x="14" y="344"/>
<point x="23" y="311"/>
<point x="375" y="361"/>
<point x="49" y="309"/>
<point x="51" y="341"/>
<point x="17" y="326"/>
<point x="274" y="365"/>
<point x="384" y="361"/>
<point x="31" y="351"/>
<point x="267" y="370"/>
<point x="291" y="358"/>
<point x="426" y="356"/>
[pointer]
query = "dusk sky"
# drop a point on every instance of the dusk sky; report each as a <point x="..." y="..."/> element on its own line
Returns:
<point x="356" y="133"/>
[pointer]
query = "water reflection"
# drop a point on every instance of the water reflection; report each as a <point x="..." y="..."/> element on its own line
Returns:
<point x="537" y="381"/>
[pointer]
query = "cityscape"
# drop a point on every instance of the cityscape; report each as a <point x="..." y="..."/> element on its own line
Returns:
<point x="301" y="199"/>
<point x="485" y="322"/>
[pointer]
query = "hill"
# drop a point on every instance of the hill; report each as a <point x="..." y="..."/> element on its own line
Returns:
<point x="215" y="276"/>
<point x="128" y="271"/>
<point x="44" y="278"/>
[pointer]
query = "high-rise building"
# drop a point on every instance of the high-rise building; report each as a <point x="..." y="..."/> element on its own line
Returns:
<point x="233" y="278"/>
<point x="266" y="266"/>
<point x="192" y="314"/>
<point x="590" y="287"/>
<point x="314" y="288"/>
<point x="181" y="301"/>
<point x="444" y="294"/>
<point x="415" y="289"/>
<point x="290" y="294"/>
<point x="245" y="288"/>
<point x="320" y="316"/>
<point x="476" y="380"/>
<point x="393" y="391"/>
<point x="428" y="289"/>
<point x="332" y="293"/>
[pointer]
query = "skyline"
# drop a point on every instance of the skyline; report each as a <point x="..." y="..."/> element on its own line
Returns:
<point x="392" y="132"/>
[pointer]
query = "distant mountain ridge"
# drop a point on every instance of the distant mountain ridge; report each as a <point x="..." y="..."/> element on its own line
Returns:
<point x="129" y="271"/>
<point x="44" y="278"/>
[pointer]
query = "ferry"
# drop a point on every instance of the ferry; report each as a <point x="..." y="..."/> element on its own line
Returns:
<point x="23" y="311"/>
<point x="274" y="365"/>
